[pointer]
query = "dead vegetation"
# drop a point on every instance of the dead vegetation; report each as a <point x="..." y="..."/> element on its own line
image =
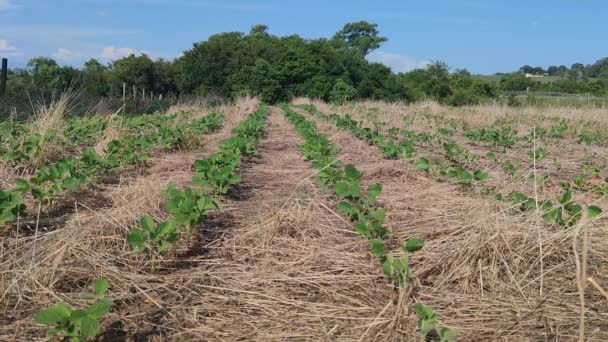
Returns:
<point x="280" y="263"/>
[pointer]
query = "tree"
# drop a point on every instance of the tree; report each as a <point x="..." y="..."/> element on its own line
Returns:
<point x="342" y="92"/>
<point x="95" y="78"/>
<point x="362" y="37"/>
<point x="552" y="70"/>
<point x="515" y="82"/>
<point x="134" y="70"/>
<point x="258" y="29"/>
<point x="266" y="82"/>
<point x="577" y="72"/>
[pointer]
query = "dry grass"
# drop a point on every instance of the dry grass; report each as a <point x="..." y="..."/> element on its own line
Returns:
<point x="50" y="117"/>
<point x="481" y="266"/>
<point x="280" y="264"/>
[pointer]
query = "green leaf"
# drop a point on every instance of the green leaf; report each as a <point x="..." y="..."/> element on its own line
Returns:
<point x="351" y="172"/>
<point x="413" y="245"/>
<point x="388" y="265"/>
<point x="593" y="211"/>
<point x="373" y="190"/>
<point x="566" y="197"/>
<point x="22" y="185"/>
<point x="100" y="285"/>
<point x="377" y="247"/>
<point x="422" y="165"/>
<point x="99" y="309"/>
<point x="89" y="327"/>
<point x="77" y="315"/>
<point x="54" y="314"/>
<point x="147" y="223"/>
<point x="362" y="229"/>
<point x="344" y="207"/>
<point x="165" y="228"/>
<point x="481" y="176"/>
<point x="137" y="237"/>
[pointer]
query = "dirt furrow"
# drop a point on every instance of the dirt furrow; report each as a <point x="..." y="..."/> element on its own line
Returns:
<point x="289" y="268"/>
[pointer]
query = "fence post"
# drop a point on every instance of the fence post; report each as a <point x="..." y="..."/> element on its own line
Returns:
<point x="124" y="92"/>
<point x="36" y="74"/>
<point x="3" y="76"/>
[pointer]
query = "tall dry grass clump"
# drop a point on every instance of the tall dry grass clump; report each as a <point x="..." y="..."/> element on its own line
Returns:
<point x="51" y="116"/>
<point x="238" y="110"/>
<point x="115" y="129"/>
<point x="193" y="103"/>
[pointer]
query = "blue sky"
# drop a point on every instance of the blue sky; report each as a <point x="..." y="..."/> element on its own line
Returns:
<point x="483" y="36"/>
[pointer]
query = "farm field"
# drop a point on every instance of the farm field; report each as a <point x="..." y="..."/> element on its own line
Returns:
<point x="367" y="221"/>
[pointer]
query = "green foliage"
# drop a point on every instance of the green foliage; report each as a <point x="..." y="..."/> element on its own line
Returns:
<point x="539" y="154"/>
<point x="362" y="37"/>
<point x="77" y="324"/>
<point x="398" y="269"/>
<point x="189" y="206"/>
<point x="220" y="169"/>
<point x="153" y="239"/>
<point x="11" y="206"/>
<point x="358" y="205"/>
<point x="429" y="327"/>
<point x="342" y="92"/>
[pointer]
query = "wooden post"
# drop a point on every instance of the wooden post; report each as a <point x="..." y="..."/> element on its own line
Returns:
<point x="134" y="93"/>
<point x="124" y="92"/>
<point x="3" y="76"/>
<point x="36" y="73"/>
<point x="143" y="94"/>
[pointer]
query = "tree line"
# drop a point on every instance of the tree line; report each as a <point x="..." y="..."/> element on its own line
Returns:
<point x="578" y="79"/>
<point x="232" y="64"/>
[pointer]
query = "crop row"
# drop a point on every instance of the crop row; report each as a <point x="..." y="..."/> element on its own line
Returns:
<point x="70" y="173"/>
<point x="564" y="212"/>
<point x="20" y="144"/>
<point x="188" y="208"/>
<point x="368" y="219"/>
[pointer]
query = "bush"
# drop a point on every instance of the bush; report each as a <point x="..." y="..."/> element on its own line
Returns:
<point x="341" y="92"/>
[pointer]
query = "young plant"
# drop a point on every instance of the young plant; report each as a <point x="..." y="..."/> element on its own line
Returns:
<point x="189" y="206"/>
<point x="77" y="324"/>
<point x="218" y="171"/>
<point x="429" y="327"/>
<point x="11" y="206"/>
<point x="398" y="269"/>
<point x="153" y="239"/>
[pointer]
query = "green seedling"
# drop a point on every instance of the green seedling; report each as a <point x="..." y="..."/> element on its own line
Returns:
<point x="398" y="269"/>
<point x="190" y="206"/>
<point x="153" y="239"/>
<point x="11" y="206"/>
<point x="539" y="154"/>
<point x="77" y="325"/>
<point x="429" y="327"/>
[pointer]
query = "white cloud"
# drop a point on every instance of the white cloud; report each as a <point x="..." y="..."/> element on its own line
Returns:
<point x="397" y="62"/>
<point x="7" y="5"/>
<point x="8" y="50"/>
<point x="111" y="52"/>
<point x="6" y="46"/>
<point x="66" y="55"/>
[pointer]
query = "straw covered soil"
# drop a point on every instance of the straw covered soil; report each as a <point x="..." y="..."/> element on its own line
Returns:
<point x="280" y="264"/>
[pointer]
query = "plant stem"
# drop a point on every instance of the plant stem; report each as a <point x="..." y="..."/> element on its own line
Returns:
<point x="540" y="241"/>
